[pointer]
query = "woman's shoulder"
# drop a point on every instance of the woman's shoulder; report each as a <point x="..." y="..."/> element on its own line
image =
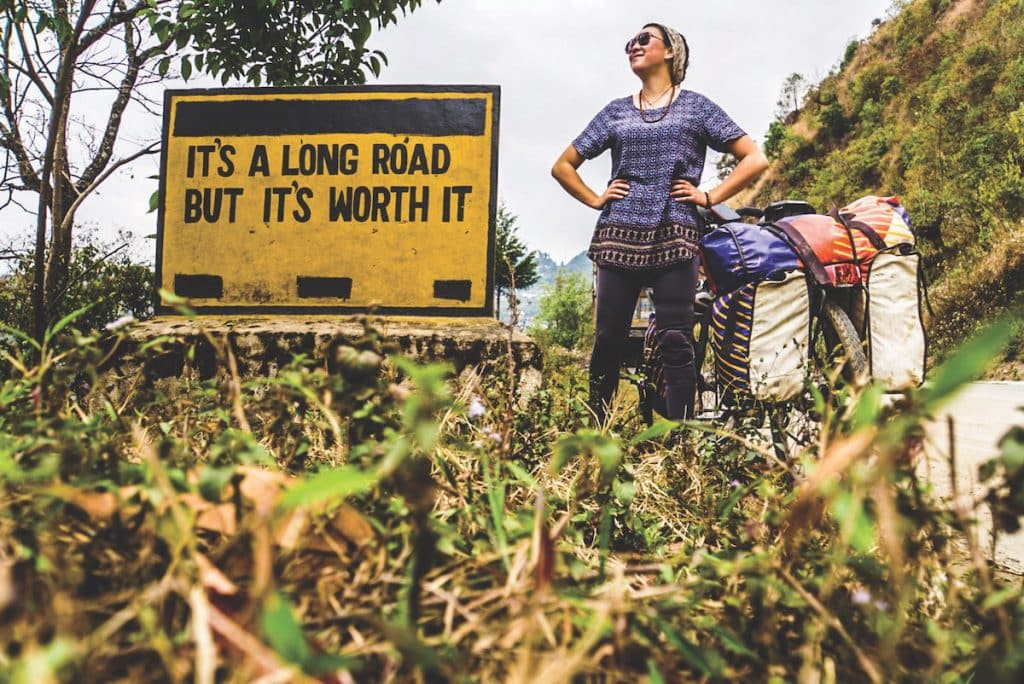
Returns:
<point x="619" y="102"/>
<point x="693" y="95"/>
<point x="698" y="99"/>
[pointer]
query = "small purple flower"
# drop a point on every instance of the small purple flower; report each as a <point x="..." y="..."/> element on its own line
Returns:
<point x="491" y="433"/>
<point x="882" y="606"/>
<point x="476" y="408"/>
<point x="861" y="597"/>
<point x="734" y="484"/>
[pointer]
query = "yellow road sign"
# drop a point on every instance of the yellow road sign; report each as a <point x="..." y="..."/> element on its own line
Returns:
<point x="330" y="200"/>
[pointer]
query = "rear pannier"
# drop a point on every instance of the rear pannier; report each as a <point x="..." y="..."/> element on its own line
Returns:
<point x="891" y="323"/>
<point x="761" y="337"/>
<point x="893" y="328"/>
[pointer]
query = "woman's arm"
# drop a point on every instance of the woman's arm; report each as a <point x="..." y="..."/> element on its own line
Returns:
<point x="751" y="163"/>
<point x="564" y="171"/>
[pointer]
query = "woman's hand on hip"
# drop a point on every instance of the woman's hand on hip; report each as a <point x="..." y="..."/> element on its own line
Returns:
<point x="617" y="189"/>
<point x="685" y="191"/>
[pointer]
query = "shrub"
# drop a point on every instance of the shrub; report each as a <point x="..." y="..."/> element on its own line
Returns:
<point x="848" y="55"/>
<point x="833" y="120"/>
<point x="566" y="311"/>
<point x="101" y="274"/>
<point x="774" y="140"/>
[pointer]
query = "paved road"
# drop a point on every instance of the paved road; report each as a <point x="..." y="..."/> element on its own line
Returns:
<point x="982" y="413"/>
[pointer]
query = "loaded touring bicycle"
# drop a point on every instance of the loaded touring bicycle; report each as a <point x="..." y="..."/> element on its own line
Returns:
<point x="797" y="298"/>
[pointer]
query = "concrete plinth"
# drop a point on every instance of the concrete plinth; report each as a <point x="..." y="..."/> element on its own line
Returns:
<point x="263" y="344"/>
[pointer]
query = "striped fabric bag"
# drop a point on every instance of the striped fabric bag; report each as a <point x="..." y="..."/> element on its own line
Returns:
<point x="761" y="337"/>
<point x="885" y="215"/>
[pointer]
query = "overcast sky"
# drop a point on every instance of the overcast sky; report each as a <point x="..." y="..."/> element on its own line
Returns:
<point x="557" y="63"/>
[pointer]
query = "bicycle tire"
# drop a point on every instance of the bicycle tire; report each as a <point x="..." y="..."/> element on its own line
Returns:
<point x="855" y="362"/>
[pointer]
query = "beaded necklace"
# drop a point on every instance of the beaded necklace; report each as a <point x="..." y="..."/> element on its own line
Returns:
<point x="665" y="113"/>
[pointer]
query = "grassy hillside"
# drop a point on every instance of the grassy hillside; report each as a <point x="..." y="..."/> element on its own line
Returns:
<point x="931" y="108"/>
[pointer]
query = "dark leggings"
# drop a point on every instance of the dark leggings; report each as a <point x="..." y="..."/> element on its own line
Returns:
<point x="674" y="291"/>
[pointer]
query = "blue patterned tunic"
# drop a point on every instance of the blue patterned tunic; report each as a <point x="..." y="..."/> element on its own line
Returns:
<point x="647" y="229"/>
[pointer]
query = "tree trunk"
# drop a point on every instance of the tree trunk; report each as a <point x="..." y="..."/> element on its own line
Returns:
<point x="64" y="193"/>
<point x="55" y="166"/>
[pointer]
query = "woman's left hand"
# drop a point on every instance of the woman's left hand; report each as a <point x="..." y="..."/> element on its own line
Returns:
<point x="685" y="191"/>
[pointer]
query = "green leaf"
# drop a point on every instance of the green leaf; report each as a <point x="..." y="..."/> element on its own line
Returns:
<point x="163" y="66"/>
<point x="186" y="68"/>
<point x="413" y="651"/>
<point x="604" y="536"/>
<point x="625" y="491"/>
<point x="282" y="631"/>
<point x="733" y="642"/>
<point x="66" y="321"/>
<point x="967" y="364"/>
<point x="1011" y="446"/>
<point x="154" y="201"/>
<point x="653" y="673"/>
<point x="588" y="442"/>
<point x="1000" y="597"/>
<point x="329" y="663"/>
<point x="362" y="32"/>
<point x="730" y="503"/>
<point x="43" y="22"/>
<point x="24" y="337"/>
<point x="689" y="651"/>
<point x="868" y="408"/>
<point x="212" y="482"/>
<point x="522" y="475"/>
<point x="43" y="665"/>
<point x="336" y="483"/>
<point x="659" y="429"/>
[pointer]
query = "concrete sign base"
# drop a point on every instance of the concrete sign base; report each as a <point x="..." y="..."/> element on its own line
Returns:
<point x="263" y="344"/>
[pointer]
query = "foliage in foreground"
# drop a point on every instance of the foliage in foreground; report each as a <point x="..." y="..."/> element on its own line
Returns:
<point x="161" y="535"/>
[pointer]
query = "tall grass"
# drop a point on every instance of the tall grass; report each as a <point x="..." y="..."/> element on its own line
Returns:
<point x="371" y="519"/>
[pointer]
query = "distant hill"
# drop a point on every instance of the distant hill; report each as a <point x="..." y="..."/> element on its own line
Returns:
<point x="930" y="107"/>
<point x="529" y="299"/>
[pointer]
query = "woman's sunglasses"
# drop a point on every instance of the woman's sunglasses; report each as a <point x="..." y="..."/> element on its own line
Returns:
<point x="641" y="39"/>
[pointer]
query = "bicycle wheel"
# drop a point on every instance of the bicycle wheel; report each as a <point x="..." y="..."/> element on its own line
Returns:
<point x="843" y="347"/>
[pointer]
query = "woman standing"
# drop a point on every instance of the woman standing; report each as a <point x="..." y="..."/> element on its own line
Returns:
<point x="647" y="233"/>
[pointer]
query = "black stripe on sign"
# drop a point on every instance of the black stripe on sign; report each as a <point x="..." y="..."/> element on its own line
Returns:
<point x="199" y="286"/>
<point x="413" y="116"/>
<point x="453" y="289"/>
<point x="312" y="286"/>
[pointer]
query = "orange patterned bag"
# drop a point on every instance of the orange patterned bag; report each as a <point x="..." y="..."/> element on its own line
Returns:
<point x="885" y="215"/>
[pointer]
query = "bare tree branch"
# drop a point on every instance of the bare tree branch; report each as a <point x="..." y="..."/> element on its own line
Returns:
<point x="106" y="147"/>
<point x="152" y="149"/>
<point x="26" y="55"/>
<point x="104" y="27"/>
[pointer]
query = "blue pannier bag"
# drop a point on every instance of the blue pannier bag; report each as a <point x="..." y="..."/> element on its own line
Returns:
<point x="735" y="254"/>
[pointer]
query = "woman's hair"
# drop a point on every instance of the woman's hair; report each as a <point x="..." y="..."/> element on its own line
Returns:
<point x="675" y="40"/>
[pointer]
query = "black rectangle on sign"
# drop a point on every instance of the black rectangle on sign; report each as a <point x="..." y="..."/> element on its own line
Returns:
<point x="312" y="286"/>
<point x="199" y="286"/>
<point x="412" y="116"/>
<point x="453" y="289"/>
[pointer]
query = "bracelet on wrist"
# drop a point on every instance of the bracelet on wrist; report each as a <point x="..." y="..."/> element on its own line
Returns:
<point x="707" y="199"/>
